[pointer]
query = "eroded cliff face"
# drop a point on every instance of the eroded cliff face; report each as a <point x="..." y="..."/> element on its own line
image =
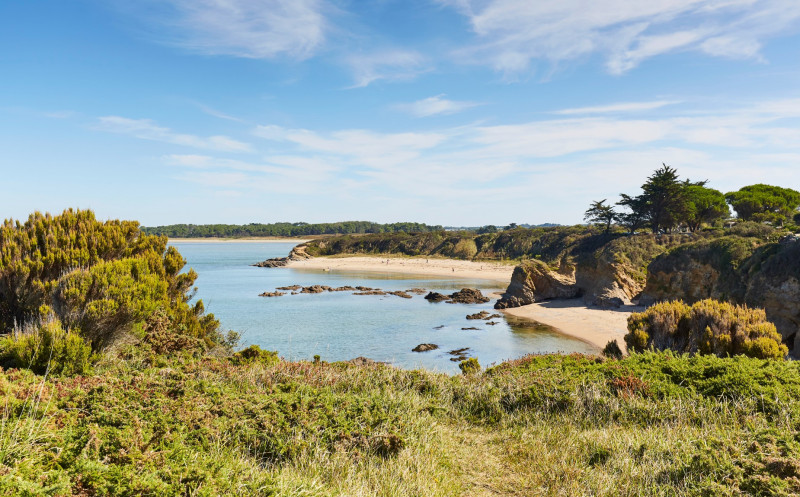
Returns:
<point x="739" y="270"/>
<point x="607" y="272"/>
<point x="533" y="281"/>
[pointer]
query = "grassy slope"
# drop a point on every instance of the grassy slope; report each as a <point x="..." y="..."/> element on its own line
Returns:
<point x="651" y="424"/>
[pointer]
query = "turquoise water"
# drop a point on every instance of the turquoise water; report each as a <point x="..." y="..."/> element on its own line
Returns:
<point x="340" y="325"/>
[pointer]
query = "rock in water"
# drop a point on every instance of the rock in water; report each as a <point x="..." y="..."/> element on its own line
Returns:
<point x="315" y="289"/>
<point x="532" y="281"/>
<point x="275" y="262"/>
<point x="365" y="361"/>
<point x="468" y="296"/>
<point x="271" y="294"/>
<point x="435" y="297"/>
<point x="424" y="347"/>
<point x="478" y="315"/>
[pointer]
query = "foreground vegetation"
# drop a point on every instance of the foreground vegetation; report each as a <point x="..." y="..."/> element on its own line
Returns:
<point x="650" y="424"/>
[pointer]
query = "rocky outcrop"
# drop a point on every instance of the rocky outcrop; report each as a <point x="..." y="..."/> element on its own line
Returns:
<point x="274" y="262"/>
<point x="315" y="289"/>
<point x="532" y="281"/>
<point x="463" y="296"/>
<point x="298" y="253"/>
<point x="365" y="361"/>
<point x="459" y="354"/>
<point x="435" y="297"/>
<point x="424" y="347"/>
<point x="606" y="284"/>
<point x="271" y="294"/>
<point x="468" y="296"/>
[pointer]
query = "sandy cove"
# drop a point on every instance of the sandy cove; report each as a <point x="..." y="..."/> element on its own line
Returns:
<point x="571" y="317"/>
<point x="256" y="239"/>
<point x="447" y="268"/>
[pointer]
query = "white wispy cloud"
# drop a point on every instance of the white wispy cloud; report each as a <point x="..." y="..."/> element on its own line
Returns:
<point x="594" y="152"/>
<point x="274" y="174"/>
<point x="511" y="34"/>
<point x="432" y="106"/>
<point x="387" y="65"/>
<point x="617" y="108"/>
<point x="216" y="113"/>
<point x="259" y="29"/>
<point x="146" y="129"/>
<point x="358" y="147"/>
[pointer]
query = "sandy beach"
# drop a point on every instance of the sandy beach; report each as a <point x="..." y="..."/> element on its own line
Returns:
<point x="571" y="317"/>
<point x="426" y="267"/>
<point x="240" y="240"/>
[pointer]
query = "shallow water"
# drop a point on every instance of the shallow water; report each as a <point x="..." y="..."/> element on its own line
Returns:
<point x="340" y="325"/>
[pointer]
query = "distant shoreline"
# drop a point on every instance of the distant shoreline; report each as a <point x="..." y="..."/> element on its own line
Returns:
<point x="254" y="239"/>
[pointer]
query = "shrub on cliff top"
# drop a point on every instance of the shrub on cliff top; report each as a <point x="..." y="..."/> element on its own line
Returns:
<point x="707" y="327"/>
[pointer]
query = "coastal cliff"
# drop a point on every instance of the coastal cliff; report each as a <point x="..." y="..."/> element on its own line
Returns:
<point x="607" y="271"/>
<point x="735" y="269"/>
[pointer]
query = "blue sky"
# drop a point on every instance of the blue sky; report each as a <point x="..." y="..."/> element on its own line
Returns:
<point x="454" y="112"/>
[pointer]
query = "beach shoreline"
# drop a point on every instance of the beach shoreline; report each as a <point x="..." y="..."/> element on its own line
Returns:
<point x="445" y="268"/>
<point x="572" y="317"/>
<point x="255" y="239"/>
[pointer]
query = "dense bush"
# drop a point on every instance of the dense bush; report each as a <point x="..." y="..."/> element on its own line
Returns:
<point x="255" y="354"/>
<point x="47" y="348"/>
<point x="752" y="229"/>
<point x="707" y="327"/>
<point x="100" y="279"/>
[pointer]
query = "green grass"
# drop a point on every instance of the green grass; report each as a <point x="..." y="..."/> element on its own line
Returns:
<point x="650" y="424"/>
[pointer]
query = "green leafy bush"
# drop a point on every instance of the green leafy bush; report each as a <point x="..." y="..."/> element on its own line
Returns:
<point x="48" y="348"/>
<point x="470" y="366"/>
<point x="707" y="327"/>
<point x="255" y="354"/>
<point x="102" y="278"/>
<point x="752" y="229"/>
<point x="612" y="350"/>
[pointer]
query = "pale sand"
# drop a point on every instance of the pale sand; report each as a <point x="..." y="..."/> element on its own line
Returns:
<point x="241" y="240"/>
<point x="426" y="267"/>
<point x="591" y="324"/>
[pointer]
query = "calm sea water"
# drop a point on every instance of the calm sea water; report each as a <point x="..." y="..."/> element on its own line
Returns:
<point x="340" y="326"/>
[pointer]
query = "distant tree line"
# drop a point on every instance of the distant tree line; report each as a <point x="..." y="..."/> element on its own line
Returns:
<point x="284" y="229"/>
<point x="667" y="204"/>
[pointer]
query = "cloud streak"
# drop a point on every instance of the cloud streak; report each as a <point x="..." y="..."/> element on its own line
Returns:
<point x="146" y="129"/>
<point x="256" y="29"/>
<point x="433" y="106"/>
<point x="513" y="34"/>
<point x="387" y="65"/>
